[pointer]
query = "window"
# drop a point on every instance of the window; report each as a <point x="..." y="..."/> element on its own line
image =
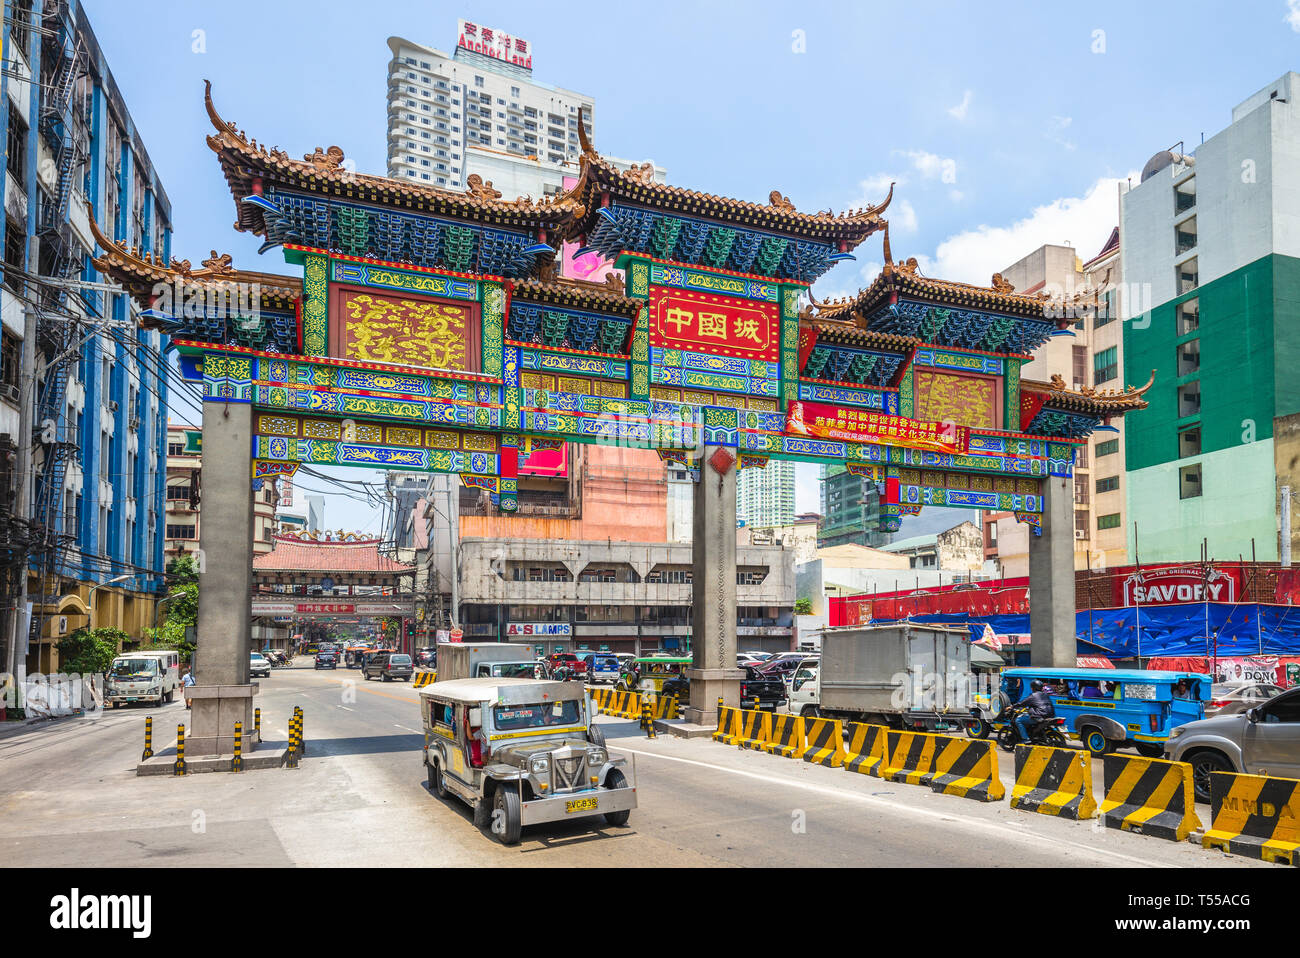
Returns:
<point x="10" y="357"/>
<point x="178" y="492"/>
<point x="1081" y="523"/>
<point x="1189" y="442"/>
<point x="1107" y="448"/>
<point x="1189" y="357"/>
<point x="478" y="81"/>
<point x="1185" y="236"/>
<point x="180" y="532"/>
<point x="1108" y="309"/>
<point x="1185" y="195"/>
<point x="175" y="448"/>
<point x="1189" y="316"/>
<point x="1079" y="355"/>
<point x="1189" y="400"/>
<point x="17" y="159"/>
<point x="1108" y="522"/>
<point x="15" y="252"/>
<point x="1105" y="366"/>
<point x="1081" y="490"/>
<point x="1189" y="481"/>
<point x="1109" y="484"/>
<point x="1187" y="276"/>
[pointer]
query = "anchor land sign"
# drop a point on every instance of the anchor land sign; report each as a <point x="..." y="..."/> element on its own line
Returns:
<point x="1178" y="584"/>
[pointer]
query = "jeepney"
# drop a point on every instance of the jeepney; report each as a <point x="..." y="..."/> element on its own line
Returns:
<point x="521" y="752"/>
<point x="649" y="672"/>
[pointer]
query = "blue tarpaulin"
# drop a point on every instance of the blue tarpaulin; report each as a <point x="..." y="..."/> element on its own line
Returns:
<point x="1246" y="629"/>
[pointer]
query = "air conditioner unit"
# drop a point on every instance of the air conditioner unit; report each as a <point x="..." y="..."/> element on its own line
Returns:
<point x="1080" y="534"/>
<point x="10" y="392"/>
<point x="112" y="405"/>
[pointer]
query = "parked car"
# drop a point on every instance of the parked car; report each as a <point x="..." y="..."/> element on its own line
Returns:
<point x="427" y="657"/>
<point x="1231" y="699"/>
<point x="1262" y="740"/>
<point x="568" y="660"/>
<point x="326" y="660"/>
<point x="769" y="689"/>
<point x="259" y="665"/>
<point x="601" y="668"/>
<point x="387" y="666"/>
<point x="783" y="666"/>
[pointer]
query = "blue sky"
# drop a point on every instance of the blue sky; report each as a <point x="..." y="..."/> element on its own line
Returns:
<point x="1007" y="125"/>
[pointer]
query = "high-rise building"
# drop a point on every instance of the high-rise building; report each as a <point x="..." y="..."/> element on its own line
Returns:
<point x="765" y="497"/>
<point x="850" y="510"/>
<point x="99" y="388"/>
<point x="479" y="110"/>
<point x="1211" y="241"/>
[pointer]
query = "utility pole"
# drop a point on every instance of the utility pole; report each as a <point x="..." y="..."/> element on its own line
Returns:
<point x="24" y="485"/>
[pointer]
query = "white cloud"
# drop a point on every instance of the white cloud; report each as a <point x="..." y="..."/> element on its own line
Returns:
<point x="1084" y="222"/>
<point x="1293" y="14"/>
<point x="1056" y="128"/>
<point x="959" y="111"/>
<point x="932" y="166"/>
<point x="873" y="190"/>
<point x="956" y="195"/>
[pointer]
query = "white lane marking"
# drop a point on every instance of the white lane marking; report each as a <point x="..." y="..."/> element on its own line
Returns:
<point x="395" y="725"/>
<point x="953" y="817"/>
<point x="344" y="707"/>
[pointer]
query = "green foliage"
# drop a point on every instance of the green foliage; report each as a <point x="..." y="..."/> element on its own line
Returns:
<point x="803" y="606"/>
<point x="179" y="612"/>
<point x="89" y="651"/>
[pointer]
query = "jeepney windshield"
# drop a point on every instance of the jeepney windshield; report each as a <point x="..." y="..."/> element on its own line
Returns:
<point x="123" y="668"/>
<point x="512" y="717"/>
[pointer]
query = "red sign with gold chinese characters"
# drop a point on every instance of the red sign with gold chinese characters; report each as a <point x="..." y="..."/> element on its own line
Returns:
<point x="715" y="325"/>
<point x="861" y="425"/>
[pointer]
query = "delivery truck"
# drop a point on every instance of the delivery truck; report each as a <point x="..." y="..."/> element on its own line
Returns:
<point x="905" y="676"/>
<point x="471" y="660"/>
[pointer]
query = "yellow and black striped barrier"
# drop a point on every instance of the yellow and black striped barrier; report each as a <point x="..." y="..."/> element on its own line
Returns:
<point x="728" y="724"/>
<point x="908" y="757"/>
<point x="257" y="724"/>
<point x="787" y="736"/>
<point x="663" y="706"/>
<point x="237" y="761"/>
<point x="1054" y="781"/>
<point x="968" y="768"/>
<point x="302" y="740"/>
<point x="755" y="729"/>
<point x="825" y="742"/>
<point x="1150" y="796"/>
<point x="865" y="752"/>
<point x="292" y="758"/>
<point x="421" y="679"/>
<point x="148" y="739"/>
<point x="1255" y="815"/>
<point x="647" y="718"/>
<point x="180" y="750"/>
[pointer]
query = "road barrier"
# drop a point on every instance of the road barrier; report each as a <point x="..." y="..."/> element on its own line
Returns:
<point x="237" y="761"/>
<point x="620" y="704"/>
<point x="647" y="718"/>
<point x="1054" y="781"/>
<point x="663" y="706"/>
<point x="866" y="749"/>
<point x="825" y="742"/>
<point x="292" y="758"/>
<point x="421" y="679"/>
<point x="257" y="724"/>
<point x="302" y="740"/>
<point x="968" y="768"/>
<point x="1149" y="796"/>
<point x="787" y="736"/>
<point x="728" y="724"/>
<point x="148" y="739"/>
<point x="908" y="757"/>
<point x="755" y="729"/>
<point x="180" y="750"/>
<point x="1255" y="815"/>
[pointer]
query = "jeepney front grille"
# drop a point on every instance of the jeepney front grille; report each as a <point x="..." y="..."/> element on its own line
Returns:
<point x="568" y="773"/>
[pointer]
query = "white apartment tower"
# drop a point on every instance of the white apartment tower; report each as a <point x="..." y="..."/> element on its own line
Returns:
<point x="478" y="110"/>
<point x="765" y="497"/>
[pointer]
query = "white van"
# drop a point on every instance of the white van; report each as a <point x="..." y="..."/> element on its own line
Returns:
<point x="142" y="677"/>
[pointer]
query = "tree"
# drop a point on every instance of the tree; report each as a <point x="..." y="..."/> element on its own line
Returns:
<point x="803" y="606"/>
<point x="90" y="651"/>
<point x="181" y="612"/>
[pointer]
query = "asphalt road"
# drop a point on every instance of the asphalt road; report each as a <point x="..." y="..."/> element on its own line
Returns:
<point x="69" y="796"/>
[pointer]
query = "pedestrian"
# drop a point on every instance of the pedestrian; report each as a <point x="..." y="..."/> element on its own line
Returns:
<point x="188" y="682"/>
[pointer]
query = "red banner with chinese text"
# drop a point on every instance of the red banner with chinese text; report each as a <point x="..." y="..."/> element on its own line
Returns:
<point x="716" y="325"/>
<point x="846" y="423"/>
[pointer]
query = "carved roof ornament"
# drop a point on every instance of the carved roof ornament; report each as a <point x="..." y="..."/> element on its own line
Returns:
<point x="780" y="202"/>
<point x="1000" y="285"/>
<point x="643" y="173"/>
<point x="181" y="266"/>
<point x="481" y="189"/>
<point x="219" y="264"/>
<point x="330" y="159"/>
<point x="884" y="205"/>
<point x="615" y="283"/>
<point x="587" y="148"/>
<point x="1057" y="381"/>
<point x="548" y="271"/>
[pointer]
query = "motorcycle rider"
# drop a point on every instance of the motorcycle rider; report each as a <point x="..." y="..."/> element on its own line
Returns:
<point x="1038" y="708"/>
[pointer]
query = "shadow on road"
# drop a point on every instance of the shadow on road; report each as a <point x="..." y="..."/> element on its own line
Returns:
<point x="368" y="745"/>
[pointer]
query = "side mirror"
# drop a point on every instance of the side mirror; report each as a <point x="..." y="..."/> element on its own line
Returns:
<point x="475" y="718"/>
<point x="1252" y="715"/>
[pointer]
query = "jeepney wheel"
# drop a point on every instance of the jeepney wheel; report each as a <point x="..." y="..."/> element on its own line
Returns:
<point x="1095" y="741"/>
<point x="506" y="823"/>
<point x="616" y="779"/>
<point x="439" y="780"/>
<point x="1149" y="749"/>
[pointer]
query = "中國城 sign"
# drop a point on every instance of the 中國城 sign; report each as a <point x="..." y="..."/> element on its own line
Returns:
<point x="495" y="43"/>
<point x="1173" y="584"/>
<point x="861" y="425"/>
<point x="716" y="325"/>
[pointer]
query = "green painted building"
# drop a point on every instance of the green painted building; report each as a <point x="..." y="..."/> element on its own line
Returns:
<point x="850" y="510"/>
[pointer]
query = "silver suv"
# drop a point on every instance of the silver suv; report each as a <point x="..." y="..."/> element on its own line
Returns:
<point x="1264" y="740"/>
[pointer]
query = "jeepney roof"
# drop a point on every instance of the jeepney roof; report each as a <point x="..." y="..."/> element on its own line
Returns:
<point x="502" y="689"/>
<point x="1108" y="675"/>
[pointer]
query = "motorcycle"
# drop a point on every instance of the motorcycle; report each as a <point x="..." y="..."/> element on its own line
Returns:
<point x="1046" y="732"/>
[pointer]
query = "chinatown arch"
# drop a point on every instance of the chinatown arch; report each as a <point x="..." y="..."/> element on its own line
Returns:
<point x="428" y="330"/>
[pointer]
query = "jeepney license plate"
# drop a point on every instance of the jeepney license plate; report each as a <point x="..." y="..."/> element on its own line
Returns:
<point x="580" y="805"/>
